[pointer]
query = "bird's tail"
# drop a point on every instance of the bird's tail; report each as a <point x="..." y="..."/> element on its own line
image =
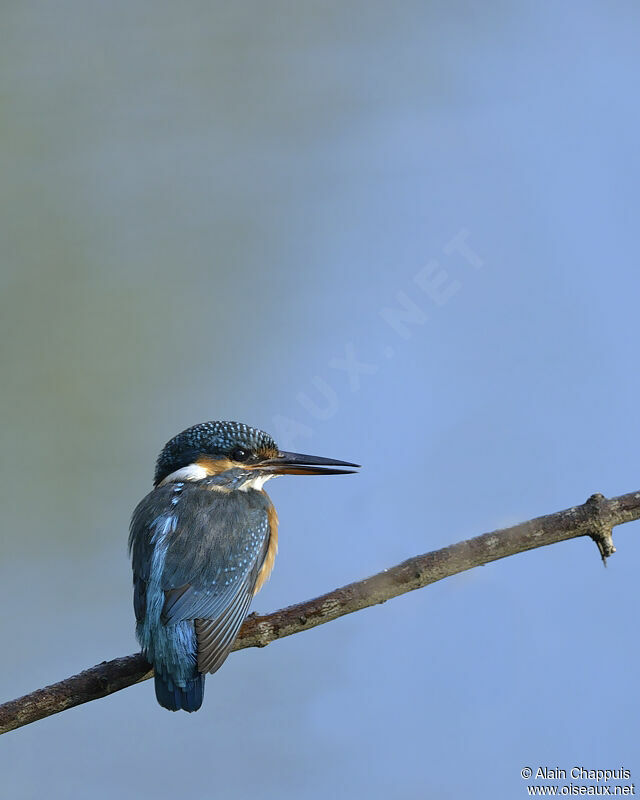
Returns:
<point x="175" y="698"/>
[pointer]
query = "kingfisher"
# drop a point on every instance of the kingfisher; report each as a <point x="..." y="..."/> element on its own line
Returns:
<point x="202" y="544"/>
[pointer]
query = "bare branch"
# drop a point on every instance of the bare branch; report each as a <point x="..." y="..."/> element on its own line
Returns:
<point x="595" y="518"/>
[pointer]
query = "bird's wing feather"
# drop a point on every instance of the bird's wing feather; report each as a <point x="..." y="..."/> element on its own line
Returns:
<point x="139" y="597"/>
<point x="216" y="636"/>
<point x="211" y="557"/>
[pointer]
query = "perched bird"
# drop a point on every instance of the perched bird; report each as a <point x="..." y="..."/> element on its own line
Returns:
<point x="202" y="544"/>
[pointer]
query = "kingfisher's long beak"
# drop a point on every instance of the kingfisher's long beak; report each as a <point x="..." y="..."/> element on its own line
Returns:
<point x="299" y="464"/>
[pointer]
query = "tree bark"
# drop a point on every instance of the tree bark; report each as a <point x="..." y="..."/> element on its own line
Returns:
<point x="595" y="518"/>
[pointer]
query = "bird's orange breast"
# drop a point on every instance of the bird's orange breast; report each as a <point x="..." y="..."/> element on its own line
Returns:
<point x="269" y="559"/>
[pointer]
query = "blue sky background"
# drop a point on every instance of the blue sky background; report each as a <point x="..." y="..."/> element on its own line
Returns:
<point x="204" y="206"/>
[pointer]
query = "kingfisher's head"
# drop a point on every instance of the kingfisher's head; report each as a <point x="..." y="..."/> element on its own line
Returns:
<point x="215" y="448"/>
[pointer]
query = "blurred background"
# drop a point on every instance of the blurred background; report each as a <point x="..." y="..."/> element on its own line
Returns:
<point x="399" y="234"/>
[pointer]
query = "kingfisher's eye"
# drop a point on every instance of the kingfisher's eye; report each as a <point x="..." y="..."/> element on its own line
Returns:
<point x="240" y="454"/>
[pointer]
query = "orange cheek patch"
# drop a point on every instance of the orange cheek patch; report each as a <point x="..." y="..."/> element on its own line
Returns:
<point x="214" y="466"/>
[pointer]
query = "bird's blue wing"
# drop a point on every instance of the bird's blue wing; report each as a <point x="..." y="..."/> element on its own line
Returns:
<point x="204" y="549"/>
<point x="215" y="637"/>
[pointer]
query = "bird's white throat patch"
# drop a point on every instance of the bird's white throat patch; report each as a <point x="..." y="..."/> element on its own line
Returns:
<point x="192" y="472"/>
<point x="196" y="472"/>
<point x="256" y="482"/>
